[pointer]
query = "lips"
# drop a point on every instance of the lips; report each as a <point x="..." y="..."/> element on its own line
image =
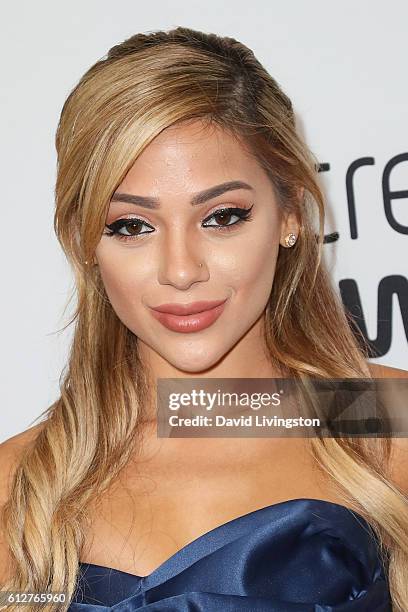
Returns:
<point x="187" y="309"/>
<point x="186" y="318"/>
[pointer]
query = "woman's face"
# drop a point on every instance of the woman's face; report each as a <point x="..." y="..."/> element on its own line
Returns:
<point x="178" y="184"/>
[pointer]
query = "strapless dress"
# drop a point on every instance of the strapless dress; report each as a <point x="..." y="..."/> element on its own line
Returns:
<point x="299" y="555"/>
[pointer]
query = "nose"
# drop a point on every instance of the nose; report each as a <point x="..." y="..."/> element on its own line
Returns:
<point x="181" y="263"/>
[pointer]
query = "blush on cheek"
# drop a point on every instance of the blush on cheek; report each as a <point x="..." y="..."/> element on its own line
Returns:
<point x="257" y="265"/>
<point x="123" y="292"/>
<point x="120" y="275"/>
<point x="256" y="281"/>
<point x="126" y="305"/>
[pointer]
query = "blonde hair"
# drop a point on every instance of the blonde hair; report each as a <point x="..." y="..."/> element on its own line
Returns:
<point x="142" y="86"/>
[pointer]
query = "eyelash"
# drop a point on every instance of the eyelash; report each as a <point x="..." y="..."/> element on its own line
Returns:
<point x="243" y="214"/>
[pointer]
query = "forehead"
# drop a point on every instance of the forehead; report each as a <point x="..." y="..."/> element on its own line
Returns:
<point x="191" y="156"/>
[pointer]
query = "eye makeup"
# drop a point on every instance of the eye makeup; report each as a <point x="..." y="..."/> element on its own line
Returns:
<point x="133" y="224"/>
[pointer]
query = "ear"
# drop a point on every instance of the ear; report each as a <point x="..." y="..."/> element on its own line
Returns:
<point x="290" y="223"/>
<point x="300" y="193"/>
<point x="93" y="262"/>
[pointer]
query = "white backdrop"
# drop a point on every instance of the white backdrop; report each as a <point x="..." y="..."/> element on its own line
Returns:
<point x="344" y="66"/>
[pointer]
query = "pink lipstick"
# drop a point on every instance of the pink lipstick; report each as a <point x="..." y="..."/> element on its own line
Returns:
<point x="186" y="318"/>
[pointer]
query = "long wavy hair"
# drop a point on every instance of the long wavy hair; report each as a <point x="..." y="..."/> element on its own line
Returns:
<point x="142" y="86"/>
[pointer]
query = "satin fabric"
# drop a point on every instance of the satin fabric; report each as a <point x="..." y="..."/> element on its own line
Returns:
<point x="300" y="555"/>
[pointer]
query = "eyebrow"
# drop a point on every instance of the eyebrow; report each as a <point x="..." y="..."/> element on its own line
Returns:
<point x="198" y="198"/>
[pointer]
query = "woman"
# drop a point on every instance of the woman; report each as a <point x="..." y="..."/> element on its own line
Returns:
<point x="181" y="179"/>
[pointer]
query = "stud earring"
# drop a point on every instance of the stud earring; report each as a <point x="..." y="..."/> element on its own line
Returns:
<point x="290" y="239"/>
<point x="200" y="265"/>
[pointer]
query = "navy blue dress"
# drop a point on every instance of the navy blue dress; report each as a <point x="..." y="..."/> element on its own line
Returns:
<point x="300" y="555"/>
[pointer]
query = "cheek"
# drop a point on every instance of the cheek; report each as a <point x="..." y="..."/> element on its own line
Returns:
<point x="249" y="268"/>
<point x="124" y="284"/>
<point x="245" y="266"/>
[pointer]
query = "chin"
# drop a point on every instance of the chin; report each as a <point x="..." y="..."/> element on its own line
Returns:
<point x="193" y="362"/>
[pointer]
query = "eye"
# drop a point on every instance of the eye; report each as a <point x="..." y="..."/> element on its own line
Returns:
<point x="223" y="215"/>
<point x="133" y="225"/>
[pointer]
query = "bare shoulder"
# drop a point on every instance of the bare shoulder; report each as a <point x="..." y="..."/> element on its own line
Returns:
<point x="382" y="371"/>
<point x="399" y="464"/>
<point x="11" y="451"/>
<point x="399" y="448"/>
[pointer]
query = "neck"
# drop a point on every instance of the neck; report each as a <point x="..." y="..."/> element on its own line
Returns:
<point x="247" y="359"/>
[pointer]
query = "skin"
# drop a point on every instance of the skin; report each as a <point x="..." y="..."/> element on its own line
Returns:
<point x="141" y="520"/>
<point x="217" y="479"/>
<point x="163" y="266"/>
